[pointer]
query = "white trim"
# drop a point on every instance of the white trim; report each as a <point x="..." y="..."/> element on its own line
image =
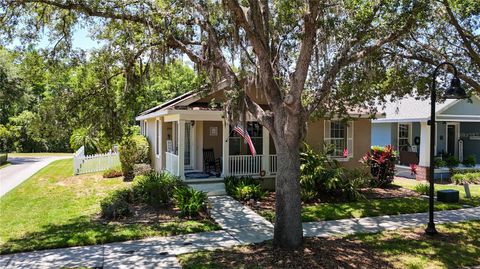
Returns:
<point x="158" y="141"/>
<point x="152" y="115"/>
<point x="410" y="131"/>
<point x="457" y="137"/>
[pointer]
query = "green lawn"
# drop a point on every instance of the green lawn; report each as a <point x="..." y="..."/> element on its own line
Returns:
<point x="457" y="246"/>
<point x="364" y="208"/>
<point x="54" y="209"/>
<point x="474" y="190"/>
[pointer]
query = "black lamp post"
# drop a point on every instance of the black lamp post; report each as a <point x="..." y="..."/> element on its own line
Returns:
<point x="455" y="91"/>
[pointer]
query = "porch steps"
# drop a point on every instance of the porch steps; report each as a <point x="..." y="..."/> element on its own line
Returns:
<point x="211" y="188"/>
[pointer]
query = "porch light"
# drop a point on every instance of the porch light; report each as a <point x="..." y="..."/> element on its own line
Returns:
<point x="455" y="91"/>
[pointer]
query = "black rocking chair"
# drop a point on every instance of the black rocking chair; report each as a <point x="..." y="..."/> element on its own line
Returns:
<point x="210" y="164"/>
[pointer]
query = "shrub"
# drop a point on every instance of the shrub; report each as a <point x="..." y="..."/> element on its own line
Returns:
<point x="141" y="169"/>
<point x="439" y="163"/>
<point x="190" y="201"/>
<point x="155" y="189"/>
<point x="451" y="161"/>
<point x="133" y="150"/>
<point x="113" y="172"/>
<point x="466" y="178"/>
<point x="249" y="191"/>
<point x="381" y="161"/>
<point x="422" y="188"/>
<point x="117" y="204"/>
<point x="470" y="161"/>
<point x="3" y="158"/>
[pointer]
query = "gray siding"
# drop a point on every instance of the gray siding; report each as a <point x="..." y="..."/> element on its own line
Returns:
<point x="381" y="134"/>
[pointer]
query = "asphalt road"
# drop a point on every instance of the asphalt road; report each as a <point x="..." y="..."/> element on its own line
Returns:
<point x="22" y="168"/>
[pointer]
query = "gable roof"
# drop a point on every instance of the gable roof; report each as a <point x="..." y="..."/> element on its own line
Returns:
<point x="411" y="108"/>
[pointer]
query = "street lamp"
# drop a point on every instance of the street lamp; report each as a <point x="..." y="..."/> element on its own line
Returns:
<point x="455" y="91"/>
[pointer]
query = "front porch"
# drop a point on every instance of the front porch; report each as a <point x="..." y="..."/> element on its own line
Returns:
<point x="188" y="136"/>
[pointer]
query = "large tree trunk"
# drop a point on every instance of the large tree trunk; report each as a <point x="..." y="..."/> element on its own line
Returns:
<point x="288" y="232"/>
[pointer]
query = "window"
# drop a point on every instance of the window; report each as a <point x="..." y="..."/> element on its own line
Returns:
<point x="404" y="131"/>
<point x="237" y="145"/>
<point x="340" y="135"/>
<point x="157" y="137"/>
<point x="145" y="128"/>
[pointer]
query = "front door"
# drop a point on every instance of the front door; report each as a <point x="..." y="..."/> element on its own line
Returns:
<point x="452" y="139"/>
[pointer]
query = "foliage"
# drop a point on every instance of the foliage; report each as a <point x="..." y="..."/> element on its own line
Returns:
<point x="473" y="178"/>
<point x="439" y="163"/>
<point x="422" y="188"/>
<point x="470" y="161"/>
<point x="6" y="139"/>
<point x="140" y="169"/>
<point x="84" y="137"/>
<point x="133" y="150"/>
<point x="244" y="188"/>
<point x="190" y="201"/>
<point x="112" y="173"/>
<point x="452" y="161"/>
<point x="464" y="171"/>
<point x="156" y="189"/>
<point x="3" y="158"/>
<point x="381" y="161"/>
<point x="117" y="204"/>
<point x="318" y="175"/>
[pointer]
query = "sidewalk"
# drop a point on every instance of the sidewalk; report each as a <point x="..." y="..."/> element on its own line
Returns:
<point x="240" y="226"/>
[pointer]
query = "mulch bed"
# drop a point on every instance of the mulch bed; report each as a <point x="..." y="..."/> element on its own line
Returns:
<point x="315" y="253"/>
<point x="388" y="193"/>
<point x="145" y="214"/>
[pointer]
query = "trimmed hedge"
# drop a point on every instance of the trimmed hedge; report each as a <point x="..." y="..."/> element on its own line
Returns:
<point x="3" y="158"/>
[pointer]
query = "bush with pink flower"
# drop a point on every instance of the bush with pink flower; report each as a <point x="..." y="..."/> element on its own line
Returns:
<point x="381" y="161"/>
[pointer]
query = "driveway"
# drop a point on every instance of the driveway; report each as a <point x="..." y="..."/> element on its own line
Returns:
<point x="21" y="169"/>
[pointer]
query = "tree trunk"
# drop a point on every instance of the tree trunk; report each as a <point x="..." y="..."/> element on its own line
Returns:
<point x="288" y="232"/>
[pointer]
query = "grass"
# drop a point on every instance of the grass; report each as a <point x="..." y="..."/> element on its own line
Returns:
<point x="457" y="246"/>
<point x="364" y="208"/>
<point x="40" y="154"/>
<point x="474" y="190"/>
<point x="53" y="209"/>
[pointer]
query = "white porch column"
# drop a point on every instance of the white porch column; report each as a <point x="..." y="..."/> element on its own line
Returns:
<point x="181" y="148"/>
<point x="225" y="149"/>
<point x="424" y="145"/>
<point x="266" y="150"/>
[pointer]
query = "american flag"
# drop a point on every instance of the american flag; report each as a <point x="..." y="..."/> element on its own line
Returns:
<point x="246" y="137"/>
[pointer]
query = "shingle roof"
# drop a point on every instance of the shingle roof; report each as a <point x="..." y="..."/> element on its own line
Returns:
<point x="410" y="108"/>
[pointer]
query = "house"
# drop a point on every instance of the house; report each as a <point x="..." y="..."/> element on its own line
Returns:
<point x="190" y="138"/>
<point x="405" y="126"/>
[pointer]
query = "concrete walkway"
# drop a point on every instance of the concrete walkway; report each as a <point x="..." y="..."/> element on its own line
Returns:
<point x="240" y="226"/>
<point x="21" y="169"/>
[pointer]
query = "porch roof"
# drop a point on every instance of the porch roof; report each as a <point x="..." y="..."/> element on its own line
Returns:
<point x="413" y="109"/>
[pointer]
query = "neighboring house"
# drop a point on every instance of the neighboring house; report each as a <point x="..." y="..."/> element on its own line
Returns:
<point x="189" y="137"/>
<point x="405" y="127"/>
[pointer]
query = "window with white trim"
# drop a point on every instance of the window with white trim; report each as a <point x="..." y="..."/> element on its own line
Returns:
<point x="340" y="135"/>
<point x="404" y="131"/>
<point x="145" y="128"/>
<point x="157" y="137"/>
<point x="238" y="146"/>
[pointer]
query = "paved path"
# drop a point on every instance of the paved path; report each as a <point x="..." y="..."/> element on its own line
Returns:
<point x="21" y="169"/>
<point x="240" y="226"/>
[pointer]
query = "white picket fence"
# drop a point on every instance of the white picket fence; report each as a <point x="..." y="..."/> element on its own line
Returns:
<point x="83" y="164"/>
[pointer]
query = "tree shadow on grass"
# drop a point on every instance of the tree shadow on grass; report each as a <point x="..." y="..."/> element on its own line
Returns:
<point x="456" y="246"/>
<point x="83" y="231"/>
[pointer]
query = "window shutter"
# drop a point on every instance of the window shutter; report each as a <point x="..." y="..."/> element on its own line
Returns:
<point x="326" y="132"/>
<point x="350" y="129"/>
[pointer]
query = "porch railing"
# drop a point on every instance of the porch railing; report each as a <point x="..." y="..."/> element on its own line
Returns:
<point x="273" y="164"/>
<point x="171" y="163"/>
<point x="242" y="165"/>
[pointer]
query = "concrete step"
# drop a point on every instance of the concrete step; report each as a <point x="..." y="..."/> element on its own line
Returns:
<point x="212" y="189"/>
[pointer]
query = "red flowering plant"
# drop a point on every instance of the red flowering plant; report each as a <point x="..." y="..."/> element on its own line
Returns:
<point x="381" y="161"/>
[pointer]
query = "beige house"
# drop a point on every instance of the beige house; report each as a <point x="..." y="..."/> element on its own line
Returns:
<point x="190" y="138"/>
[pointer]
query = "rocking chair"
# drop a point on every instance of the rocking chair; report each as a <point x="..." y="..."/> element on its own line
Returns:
<point x="210" y="164"/>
